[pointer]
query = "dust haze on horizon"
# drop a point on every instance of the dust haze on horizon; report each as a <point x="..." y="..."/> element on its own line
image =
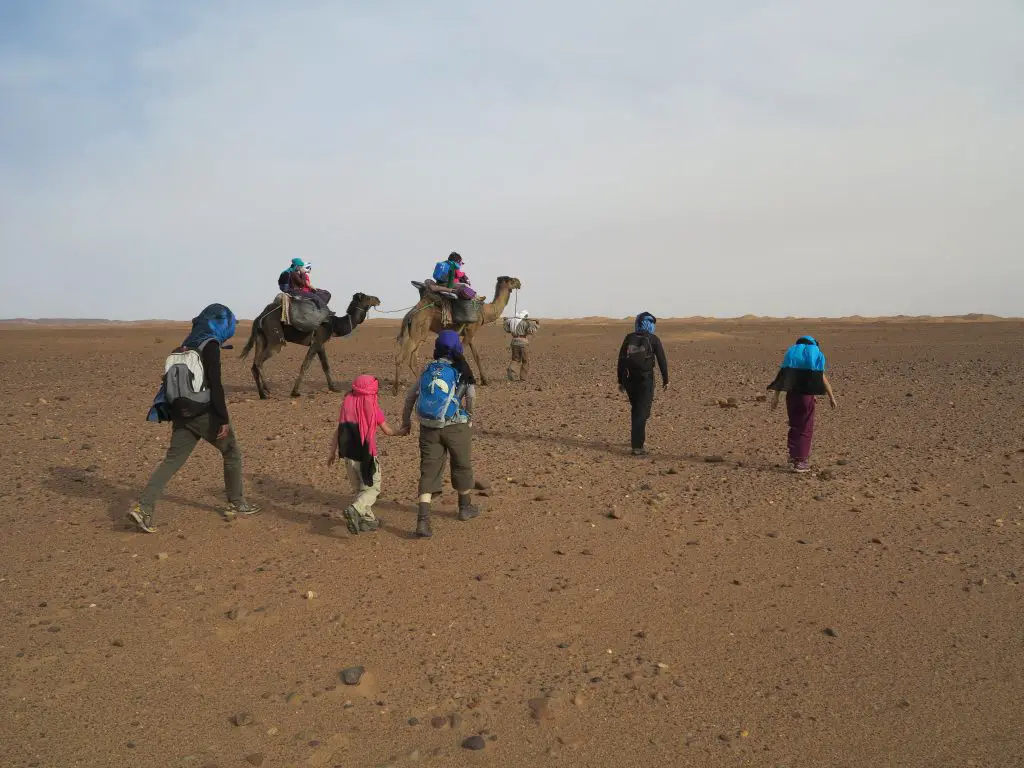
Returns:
<point x="772" y="158"/>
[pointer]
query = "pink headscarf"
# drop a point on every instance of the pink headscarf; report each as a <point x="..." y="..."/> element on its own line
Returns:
<point x="363" y="399"/>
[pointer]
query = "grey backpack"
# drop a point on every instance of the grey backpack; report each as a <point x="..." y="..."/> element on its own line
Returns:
<point x="185" y="385"/>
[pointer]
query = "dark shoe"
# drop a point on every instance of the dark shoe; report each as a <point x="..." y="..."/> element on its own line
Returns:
<point x="368" y="526"/>
<point x="423" y="521"/>
<point x="141" y="518"/>
<point x="466" y="510"/>
<point x="351" y="519"/>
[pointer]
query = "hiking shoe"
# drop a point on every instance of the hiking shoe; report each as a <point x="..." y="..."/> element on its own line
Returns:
<point x="639" y="451"/>
<point x="801" y="467"/>
<point x="141" y="519"/>
<point x="351" y="520"/>
<point x="467" y="512"/>
<point x="240" y="509"/>
<point x="423" y="521"/>
<point x="368" y="526"/>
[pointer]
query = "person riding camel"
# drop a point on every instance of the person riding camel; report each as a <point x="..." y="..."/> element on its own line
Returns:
<point x="449" y="277"/>
<point x="295" y="282"/>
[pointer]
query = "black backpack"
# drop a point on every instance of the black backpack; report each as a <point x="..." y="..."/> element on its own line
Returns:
<point x="639" y="353"/>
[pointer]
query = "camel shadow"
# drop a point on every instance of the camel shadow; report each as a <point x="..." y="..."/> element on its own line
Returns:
<point x="78" y="483"/>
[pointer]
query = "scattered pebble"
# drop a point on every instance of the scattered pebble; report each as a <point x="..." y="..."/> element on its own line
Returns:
<point x="256" y="758"/>
<point x="474" y="743"/>
<point x="352" y="675"/>
<point x="615" y="513"/>
<point x="162" y="555"/>
<point x="413" y="721"/>
<point x="830" y="632"/>
<point x="439" y="722"/>
<point x="240" y="719"/>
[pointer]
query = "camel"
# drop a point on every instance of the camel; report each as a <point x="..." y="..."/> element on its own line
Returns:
<point x="269" y="335"/>
<point x="425" y="318"/>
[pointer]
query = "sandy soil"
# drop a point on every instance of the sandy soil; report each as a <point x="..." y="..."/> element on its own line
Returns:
<point x="730" y="614"/>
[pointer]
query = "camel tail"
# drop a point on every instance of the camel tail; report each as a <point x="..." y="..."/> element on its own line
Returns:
<point x="248" y="346"/>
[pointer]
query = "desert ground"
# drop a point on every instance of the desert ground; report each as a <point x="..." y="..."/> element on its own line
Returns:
<point x="697" y="607"/>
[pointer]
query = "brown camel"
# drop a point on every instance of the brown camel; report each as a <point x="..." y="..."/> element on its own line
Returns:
<point x="425" y="318"/>
<point x="269" y="335"/>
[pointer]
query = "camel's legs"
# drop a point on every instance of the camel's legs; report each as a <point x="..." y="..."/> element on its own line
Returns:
<point x="321" y="352"/>
<point x="260" y="355"/>
<point x="310" y="354"/>
<point x="476" y="359"/>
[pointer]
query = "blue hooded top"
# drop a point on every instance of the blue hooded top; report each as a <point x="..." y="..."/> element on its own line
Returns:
<point x="645" y="323"/>
<point x="215" y="323"/>
<point x="803" y="369"/>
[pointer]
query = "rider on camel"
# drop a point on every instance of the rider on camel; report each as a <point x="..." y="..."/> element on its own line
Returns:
<point x="295" y="282"/>
<point x="449" y="277"/>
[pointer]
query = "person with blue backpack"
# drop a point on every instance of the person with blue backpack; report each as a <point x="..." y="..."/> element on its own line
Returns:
<point x="191" y="397"/>
<point x="444" y="399"/>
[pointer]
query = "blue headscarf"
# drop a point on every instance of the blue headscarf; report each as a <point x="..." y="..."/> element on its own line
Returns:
<point x="448" y="344"/>
<point x="805" y="355"/>
<point x="645" y="322"/>
<point x="215" y="322"/>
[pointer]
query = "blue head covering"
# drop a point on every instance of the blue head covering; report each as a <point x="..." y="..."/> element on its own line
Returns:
<point x="215" y="322"/>
<point x="805" y="355"/>
<point x="645" y="322"/>
<point x="448" y="344"/>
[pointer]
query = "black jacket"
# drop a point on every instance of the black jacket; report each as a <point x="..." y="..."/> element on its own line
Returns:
<point x="624" y="372"/>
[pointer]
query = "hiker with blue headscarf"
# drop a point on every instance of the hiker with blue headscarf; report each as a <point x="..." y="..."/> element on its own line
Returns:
<point x="191" y="397"/>
<point x="640" y="350"/>
<point x="444" y="399"/>
<point x="802" y="377"/>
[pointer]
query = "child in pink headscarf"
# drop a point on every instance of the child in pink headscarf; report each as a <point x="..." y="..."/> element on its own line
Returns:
<point x="355" y="441"/>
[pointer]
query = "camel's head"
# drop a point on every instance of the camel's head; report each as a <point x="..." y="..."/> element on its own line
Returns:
<point x="360" y="305"/>
<point x="510" y="283"/>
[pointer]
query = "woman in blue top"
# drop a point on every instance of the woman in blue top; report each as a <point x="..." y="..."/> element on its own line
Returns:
<point x="802" y="377"/>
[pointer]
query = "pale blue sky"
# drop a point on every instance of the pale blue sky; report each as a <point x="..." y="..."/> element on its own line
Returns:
<point x="790" y="157"/>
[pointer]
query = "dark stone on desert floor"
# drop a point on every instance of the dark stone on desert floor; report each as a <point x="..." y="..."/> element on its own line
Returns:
<point x="352" y="675"/>
<point x="414" y="721"/>
<point x="242" y="718"/>
<point x="256" y="758"/>
<point x="117" y="643"/>
<point x="843" y="462"/>
<point x="474" y="743"/>
<point x="439" y="722"/>
<point x="482" y="485"/>
<point x="830" y="632"/>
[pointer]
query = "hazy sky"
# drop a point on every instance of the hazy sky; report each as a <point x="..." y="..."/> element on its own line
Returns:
<point x="789" y="157"/>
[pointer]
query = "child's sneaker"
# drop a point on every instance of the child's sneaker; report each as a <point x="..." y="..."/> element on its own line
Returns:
<point x="351" y="519"/>
<point x="801" y="466"/>
<point x="141" y="518"/>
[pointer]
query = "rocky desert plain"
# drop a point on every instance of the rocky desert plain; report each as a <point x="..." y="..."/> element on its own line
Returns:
<point x="700" y="606"/>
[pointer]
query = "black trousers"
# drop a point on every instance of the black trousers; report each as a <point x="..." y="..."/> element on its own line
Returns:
<point x="641" y="397"/>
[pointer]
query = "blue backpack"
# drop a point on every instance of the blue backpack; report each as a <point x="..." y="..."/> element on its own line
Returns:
<point x="438" y="403"/>
<point x="441" y="271"/>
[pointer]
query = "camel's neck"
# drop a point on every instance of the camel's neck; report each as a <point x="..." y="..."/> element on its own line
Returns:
<point x="501" y="295"/>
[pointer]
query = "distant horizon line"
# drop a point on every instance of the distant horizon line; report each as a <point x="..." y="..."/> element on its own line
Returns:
<point x="969" y="317"/>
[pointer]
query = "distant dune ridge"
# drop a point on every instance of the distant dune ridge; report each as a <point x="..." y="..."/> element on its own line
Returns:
<point x="973" y="317"/>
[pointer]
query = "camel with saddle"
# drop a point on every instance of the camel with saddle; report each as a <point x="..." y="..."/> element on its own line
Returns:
<point x="294" y="320"/>
<point x="437" y="311"/>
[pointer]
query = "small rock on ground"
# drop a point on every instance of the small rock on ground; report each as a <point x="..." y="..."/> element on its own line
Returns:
<point x="242" y="718"/>
<point x="474" y="743"/>
<point x="352" y="675"/>
<point x="256" y="759"/>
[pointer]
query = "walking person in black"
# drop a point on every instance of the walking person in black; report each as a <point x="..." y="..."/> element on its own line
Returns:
<point x="640" y="350"/>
